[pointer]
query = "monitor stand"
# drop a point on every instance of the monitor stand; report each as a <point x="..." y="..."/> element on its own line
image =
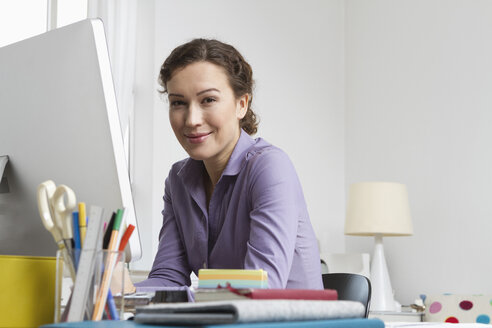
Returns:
<point x="4" y="186"/>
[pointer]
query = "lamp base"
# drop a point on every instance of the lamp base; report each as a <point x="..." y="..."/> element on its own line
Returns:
<point x="382" y="293"/>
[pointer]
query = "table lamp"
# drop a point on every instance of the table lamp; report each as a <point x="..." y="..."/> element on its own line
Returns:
<point x="379" y="209"/>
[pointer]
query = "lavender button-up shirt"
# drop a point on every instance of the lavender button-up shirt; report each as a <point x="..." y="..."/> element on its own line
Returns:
<point x="257" y="219"/>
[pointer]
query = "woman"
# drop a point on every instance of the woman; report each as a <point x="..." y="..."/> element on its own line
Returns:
<point x="236" y="202"/>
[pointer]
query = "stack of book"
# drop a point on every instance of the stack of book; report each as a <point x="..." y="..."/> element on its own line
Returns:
<point x="213" y="278"/>
<point x="229" y="293"/>
<point x="222" y="284"/>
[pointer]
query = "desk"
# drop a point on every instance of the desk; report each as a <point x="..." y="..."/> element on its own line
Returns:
<point x="397" y="316"/>
<point x="340" y="323"/>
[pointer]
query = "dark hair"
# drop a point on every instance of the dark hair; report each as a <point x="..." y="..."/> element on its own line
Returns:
<point x="238" y="71"/>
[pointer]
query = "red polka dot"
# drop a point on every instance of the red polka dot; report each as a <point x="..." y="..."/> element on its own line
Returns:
<point x="466" y="305"/>
<point x="452" y="320"/>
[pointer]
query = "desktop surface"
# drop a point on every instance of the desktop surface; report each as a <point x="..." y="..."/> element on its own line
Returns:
<point x="336" y="323"/>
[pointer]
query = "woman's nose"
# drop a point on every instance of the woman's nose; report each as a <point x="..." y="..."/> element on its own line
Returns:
<point x="194" y="115"/>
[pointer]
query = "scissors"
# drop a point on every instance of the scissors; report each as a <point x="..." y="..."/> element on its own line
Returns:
<point x="56" y="215"/>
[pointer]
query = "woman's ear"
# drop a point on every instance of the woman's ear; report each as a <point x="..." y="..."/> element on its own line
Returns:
<point x="242" y="106"/>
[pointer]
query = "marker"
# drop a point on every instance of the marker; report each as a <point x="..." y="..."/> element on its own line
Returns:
<point x="107" y="234"/>
<point x="126" y="236"/>
<point x="82" y="223"/>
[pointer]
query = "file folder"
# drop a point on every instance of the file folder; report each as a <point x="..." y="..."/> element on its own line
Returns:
<point x="27" y="290"/>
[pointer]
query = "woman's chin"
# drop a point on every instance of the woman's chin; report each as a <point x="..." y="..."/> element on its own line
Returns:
<point x="197" y="155"/>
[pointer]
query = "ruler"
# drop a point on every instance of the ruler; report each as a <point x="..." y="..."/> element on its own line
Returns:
<point x="83" y="281"/>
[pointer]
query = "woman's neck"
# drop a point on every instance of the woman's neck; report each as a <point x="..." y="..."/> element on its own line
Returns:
<point x="211" y="177"/>
<point x="214" y="168"/>
<point x="216" y="165"/>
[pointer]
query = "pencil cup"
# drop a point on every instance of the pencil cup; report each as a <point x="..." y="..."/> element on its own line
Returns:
<point x="101" y="274"/>
<point x="63" y="285"/>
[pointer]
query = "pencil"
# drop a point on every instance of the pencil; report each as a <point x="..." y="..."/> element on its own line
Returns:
<point x="102" y="293"/>
<point x="82" y="223"/>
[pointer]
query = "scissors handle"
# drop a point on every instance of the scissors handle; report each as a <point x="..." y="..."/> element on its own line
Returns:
<point x="44" y="195"/>
<point x="63" y="210"/>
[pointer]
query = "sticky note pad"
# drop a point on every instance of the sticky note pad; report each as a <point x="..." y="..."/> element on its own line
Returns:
<point x="237" y="278"/>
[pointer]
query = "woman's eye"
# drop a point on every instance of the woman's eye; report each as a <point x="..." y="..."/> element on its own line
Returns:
<point x="177" y="103"/>
<point x="209" y="100"/>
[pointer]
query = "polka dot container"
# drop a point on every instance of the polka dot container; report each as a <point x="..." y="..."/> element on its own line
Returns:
<point x="459" y="308"/>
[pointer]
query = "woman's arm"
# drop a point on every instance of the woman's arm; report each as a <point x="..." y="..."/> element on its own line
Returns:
<point x="170" y="266"/>
<point x="277" y="204"/>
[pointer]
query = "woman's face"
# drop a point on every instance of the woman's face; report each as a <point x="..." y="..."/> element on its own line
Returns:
<point x="204" y="113"/>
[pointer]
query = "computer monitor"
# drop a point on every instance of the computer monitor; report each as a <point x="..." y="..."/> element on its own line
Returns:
<point x="59" y="121"/>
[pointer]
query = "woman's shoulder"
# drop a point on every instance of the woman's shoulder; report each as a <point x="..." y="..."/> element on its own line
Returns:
<point x="269" y="169"/>
<point x="263" y="154"/>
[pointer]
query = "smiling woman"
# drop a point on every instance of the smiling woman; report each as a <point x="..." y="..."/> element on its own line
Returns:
<point x="236" y="202"/>
<point x="204" y="114"/>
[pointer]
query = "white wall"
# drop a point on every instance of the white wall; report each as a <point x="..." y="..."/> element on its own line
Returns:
<point x="418" y="111"/>
<point x="297" y="53"/>
<point x="357" y="90"/>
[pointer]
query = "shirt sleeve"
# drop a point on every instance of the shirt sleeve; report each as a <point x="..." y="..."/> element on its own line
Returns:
<point x="277" y="203"/>
<point x="170" y="266"/>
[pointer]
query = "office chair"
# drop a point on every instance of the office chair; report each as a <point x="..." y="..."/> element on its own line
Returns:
<point x="350" y="287"/>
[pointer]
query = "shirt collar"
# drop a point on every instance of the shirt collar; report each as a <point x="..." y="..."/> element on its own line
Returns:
<point x="238" y="156"/>
<point x="191" y="174"/>
<point x="192" y="171"/>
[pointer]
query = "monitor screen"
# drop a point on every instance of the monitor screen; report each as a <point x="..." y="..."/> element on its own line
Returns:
<point x="59" y="121"/>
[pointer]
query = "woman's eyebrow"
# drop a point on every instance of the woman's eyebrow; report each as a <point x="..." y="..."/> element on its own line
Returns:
<point x="175" y="95"/>
<point x="207" y="90"/>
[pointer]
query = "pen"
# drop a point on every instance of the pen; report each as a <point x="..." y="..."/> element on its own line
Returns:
<point x="113" y="312"/>
<point x="82" y="222"/>
<point x="102" y="293"/>
<point x="76" y="238"/>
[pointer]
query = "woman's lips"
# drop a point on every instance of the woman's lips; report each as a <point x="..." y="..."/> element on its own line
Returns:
<point x="196" y="138"/>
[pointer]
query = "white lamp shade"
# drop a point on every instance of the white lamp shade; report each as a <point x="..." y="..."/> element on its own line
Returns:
<point x="378" y="208"/>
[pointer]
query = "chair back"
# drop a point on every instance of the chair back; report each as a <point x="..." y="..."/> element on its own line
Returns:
<point x="350" y="287"/>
